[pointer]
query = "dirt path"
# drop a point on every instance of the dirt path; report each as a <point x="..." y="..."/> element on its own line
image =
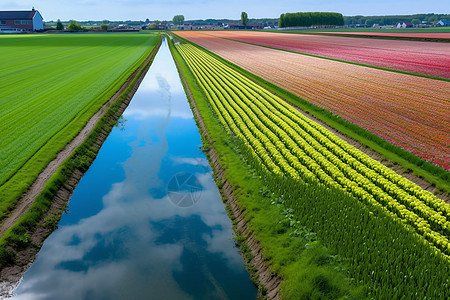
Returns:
<point x="11" y="275"/>
<point x="36" y="188"/>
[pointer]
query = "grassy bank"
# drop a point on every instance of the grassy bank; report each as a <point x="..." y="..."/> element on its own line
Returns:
<point x="18" y="237"/>
<point x="432" y="173"/>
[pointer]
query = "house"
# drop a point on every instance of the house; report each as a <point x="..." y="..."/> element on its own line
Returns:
<point x="239" y="26"/>
<point x="22" y="20"/>
<point x="405" y="25"/>
<point x="425" y="24"/>
<point x="443" y="23"/>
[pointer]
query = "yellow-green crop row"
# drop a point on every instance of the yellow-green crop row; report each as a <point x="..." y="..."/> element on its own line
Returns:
<point x="286" y="142"/>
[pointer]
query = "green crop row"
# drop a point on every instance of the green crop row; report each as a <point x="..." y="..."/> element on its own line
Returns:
<point x="288" y="143"/>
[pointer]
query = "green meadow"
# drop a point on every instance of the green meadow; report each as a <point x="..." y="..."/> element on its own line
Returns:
<point x="50" y="86"/>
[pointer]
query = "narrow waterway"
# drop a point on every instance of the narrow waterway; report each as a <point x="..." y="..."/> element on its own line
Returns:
<point x="146" y="220"/>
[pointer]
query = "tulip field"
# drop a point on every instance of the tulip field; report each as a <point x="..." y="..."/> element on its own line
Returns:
<point x="287" y="143"/>
<point x="426" y="58"/>
<point x="393" y="233"/>
<point x="408" y="111"/>
<point x="429" y="35"/>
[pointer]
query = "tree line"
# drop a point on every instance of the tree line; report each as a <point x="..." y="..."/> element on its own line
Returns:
<point x="393" y="20"/>
<point x="307" y="19"/>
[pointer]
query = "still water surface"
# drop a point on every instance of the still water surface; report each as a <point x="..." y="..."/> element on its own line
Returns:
<point x="146" y="220"/>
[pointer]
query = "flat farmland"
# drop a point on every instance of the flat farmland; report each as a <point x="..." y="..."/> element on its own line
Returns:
<point x="408" y="111"/>
<point x="50" y="87"/>
<point x="427" y="58"/>
<point x="432" y="35"/>
<point x="290" y="153"/>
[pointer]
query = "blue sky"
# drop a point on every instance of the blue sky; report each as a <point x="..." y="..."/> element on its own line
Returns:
<point x="203" y="9"/>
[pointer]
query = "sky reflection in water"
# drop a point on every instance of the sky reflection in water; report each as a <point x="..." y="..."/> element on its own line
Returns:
<point x="124" y="237"/>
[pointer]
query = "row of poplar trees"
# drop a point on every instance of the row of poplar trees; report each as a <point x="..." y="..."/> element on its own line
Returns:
<point x="307" y="19"/>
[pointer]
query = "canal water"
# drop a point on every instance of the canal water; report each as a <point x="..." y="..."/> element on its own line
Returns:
<point x="146" y="220"/>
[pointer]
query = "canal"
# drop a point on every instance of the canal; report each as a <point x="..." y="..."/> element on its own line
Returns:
<point x="146" y="221"/>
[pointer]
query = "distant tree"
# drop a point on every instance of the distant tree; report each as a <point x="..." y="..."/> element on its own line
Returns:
<point x="178" y="20"/>
<point x="59" y="25"/>
<point x="157" y="22"/>
<point x="415" y="21"/>
<point x="369" y="22"/>
<point x="74" y="26"/>
<point x="244" y="18"/>
<point x="104" y="27"/>
<point x="147" y="21"/>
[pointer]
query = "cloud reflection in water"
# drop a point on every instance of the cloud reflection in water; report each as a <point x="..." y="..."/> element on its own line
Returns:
<point x="140" y="245"/>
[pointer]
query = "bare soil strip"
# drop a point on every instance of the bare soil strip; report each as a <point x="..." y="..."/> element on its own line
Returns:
<point x="12" y="274"/>
<point x="266" y="277"/>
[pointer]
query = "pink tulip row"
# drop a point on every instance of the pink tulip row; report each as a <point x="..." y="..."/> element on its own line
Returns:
<point x="426" y="58"/>
<point x="432" y="35"/>
<point x="408" y="111"/>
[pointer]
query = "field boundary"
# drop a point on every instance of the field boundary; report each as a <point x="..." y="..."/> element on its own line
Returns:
<point x="341" y="61"/>
<point x="369" y="36"/>
<point x="413" y="167"/>
<point x="57" y="183"/>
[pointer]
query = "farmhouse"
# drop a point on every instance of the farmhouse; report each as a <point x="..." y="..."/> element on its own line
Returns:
<point x="443" y="23"/>
<point x="239" y="26"/>
<point x="405" y="25"/>
<point x="22" y="20"/>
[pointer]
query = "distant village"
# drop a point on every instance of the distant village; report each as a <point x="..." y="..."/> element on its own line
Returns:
<point x="32" y="20"/>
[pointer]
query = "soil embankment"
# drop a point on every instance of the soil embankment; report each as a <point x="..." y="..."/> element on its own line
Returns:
<point x="264" y="275"/>
<point x="10" y="275"/>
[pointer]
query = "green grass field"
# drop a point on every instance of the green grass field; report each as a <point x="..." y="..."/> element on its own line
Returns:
<point x="50" y="86"/>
